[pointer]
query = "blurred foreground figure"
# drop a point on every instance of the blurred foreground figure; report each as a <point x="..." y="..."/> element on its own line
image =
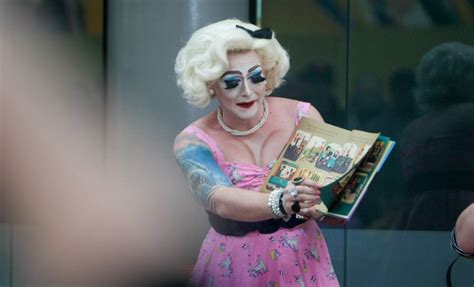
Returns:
<point x="84" y="221"/>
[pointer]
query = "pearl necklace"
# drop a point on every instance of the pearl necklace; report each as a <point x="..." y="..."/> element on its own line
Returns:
<point x="253" y="129"/>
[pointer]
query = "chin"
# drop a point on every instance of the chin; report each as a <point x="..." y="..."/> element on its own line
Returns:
<point x="248" y="114"/>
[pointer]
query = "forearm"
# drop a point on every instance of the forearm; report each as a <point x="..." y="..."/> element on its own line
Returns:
<point x="465" y="230"/>
<point x="240" y="204"/>
<point x="212" y="188"/>
<point x="215" y="192"/>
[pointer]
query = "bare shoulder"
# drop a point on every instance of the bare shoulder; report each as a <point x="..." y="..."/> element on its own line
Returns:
<point x="290" y="106"/>
<point x="283" y="104"/>
<point x="282" y="101"/>
<point x="184" y="140"/>
<point x="187" y="138"/>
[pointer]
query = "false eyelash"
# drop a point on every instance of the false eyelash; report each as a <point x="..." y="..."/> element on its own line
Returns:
<point x="257" y="79"/>
<point x="230" y="84"/>
<point x="256" y="76"/>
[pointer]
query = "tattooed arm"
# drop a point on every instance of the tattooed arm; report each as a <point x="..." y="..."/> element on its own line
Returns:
<point x="202" y="172"/>
<point x="211" y="186"/>
<point x="214" y="190"/>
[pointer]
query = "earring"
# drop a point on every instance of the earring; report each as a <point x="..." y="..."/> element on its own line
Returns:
<point x="211" y="92"/>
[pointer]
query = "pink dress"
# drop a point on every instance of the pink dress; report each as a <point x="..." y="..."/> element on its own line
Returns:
<point x="287" y="257"/>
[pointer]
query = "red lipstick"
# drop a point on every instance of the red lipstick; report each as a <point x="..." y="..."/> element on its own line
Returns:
<point x="246" y="105"/>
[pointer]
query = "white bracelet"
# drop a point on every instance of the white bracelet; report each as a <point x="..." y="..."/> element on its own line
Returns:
<point x="270" y="204"/>
<point x="274" y="204"/>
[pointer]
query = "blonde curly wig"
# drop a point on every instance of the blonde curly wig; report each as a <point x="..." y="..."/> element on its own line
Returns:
<point x="204" y="58"/>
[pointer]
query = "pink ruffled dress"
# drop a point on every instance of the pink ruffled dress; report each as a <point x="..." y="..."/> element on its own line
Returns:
<point x="287" y="257"/>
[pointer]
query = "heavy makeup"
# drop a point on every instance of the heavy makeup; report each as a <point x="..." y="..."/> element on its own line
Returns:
<point x="241" y="90"/>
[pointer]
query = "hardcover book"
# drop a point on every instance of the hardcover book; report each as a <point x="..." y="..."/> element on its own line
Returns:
<point x="343" y="162"/>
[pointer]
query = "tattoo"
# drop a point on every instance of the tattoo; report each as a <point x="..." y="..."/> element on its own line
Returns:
<point x="200" y="168"/>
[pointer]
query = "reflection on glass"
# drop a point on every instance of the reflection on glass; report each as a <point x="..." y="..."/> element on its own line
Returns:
<point x="387" y="41"/>
<point x="412" y="13"/>
<point x="437" y="152"/>
<point x="315" y="34"/>
<point x="315" y="83"/>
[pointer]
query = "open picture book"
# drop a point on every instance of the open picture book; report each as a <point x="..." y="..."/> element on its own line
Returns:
<point x="343" y="162"/>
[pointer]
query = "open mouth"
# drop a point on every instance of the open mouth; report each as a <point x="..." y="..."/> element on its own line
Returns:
<point x="246" y="105"/>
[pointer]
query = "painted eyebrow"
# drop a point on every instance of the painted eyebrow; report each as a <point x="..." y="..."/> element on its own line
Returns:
<point x="253" y="68"/>
<point x="240" y="73"/>
<point x="231" y="72"/>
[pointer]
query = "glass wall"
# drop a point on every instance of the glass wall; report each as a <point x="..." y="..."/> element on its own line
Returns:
<point x="403" y="68"/>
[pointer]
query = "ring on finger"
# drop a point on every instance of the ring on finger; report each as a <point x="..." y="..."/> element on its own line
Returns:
<point x="298" y="216"/>
<point x="293" y="193"/>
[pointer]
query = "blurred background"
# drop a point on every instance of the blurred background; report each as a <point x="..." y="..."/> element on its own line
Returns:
<point x="90" y="193"/>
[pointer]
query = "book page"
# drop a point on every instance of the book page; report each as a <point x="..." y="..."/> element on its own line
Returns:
<point x="352" y="194"/>
<point x="319" y="151"/>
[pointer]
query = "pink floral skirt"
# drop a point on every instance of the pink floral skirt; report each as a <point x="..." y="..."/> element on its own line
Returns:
<point x="288" y="257"/>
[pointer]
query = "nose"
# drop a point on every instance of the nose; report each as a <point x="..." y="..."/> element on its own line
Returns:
<point x="246" y="91"/>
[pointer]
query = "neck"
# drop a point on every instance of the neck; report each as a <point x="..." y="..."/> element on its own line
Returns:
<point x="242" y="127"/>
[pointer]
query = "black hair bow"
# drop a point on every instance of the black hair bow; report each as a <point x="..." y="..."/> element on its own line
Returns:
<point x="264" y="33"/>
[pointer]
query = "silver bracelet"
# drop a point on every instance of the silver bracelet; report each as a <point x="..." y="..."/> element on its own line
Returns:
<point x="274" y="204"/>
<point x="271" y="200"/>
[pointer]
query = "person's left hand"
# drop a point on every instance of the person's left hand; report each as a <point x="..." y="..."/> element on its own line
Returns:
<point x="311" y="213"/>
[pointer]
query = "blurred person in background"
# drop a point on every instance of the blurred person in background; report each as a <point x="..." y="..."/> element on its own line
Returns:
<point x="436" y="149"/>
<point x="255" y="238"/>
